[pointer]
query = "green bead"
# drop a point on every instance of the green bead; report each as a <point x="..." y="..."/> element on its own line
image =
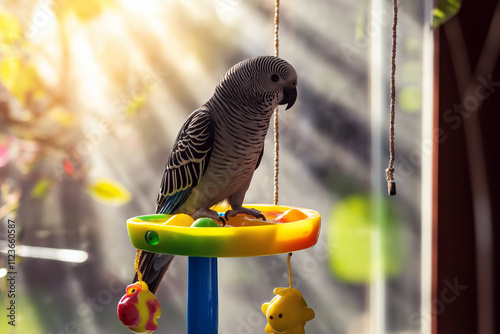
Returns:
<point x="152" y="238"/>
<point x="204" y="222"/>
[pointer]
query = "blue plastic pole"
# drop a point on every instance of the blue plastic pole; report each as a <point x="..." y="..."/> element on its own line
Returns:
<point x="202" y="296"/>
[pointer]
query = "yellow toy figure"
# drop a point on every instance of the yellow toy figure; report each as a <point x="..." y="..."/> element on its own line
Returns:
<point x="139" y="309"/>
<point x="287" y="312"/>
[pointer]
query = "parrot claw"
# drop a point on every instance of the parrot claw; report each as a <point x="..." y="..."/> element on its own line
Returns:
<point x="208" y="213"/>
<point x="223" y="220"/>
<point x="247" y="211"/>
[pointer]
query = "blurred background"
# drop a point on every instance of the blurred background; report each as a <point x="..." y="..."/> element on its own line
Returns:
<point x="92" y="94"/>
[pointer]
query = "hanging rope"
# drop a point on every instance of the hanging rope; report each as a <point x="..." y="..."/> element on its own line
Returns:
<point x="290" y="275"/>
<point x="276" y="132"/>
<point x="276" y="27"/>
<point x="276" y="125"/>
<point x="136" y="265"/>
<point x="389" y="172"/>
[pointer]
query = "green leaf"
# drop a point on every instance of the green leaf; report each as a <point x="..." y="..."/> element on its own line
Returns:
<point x="138" y="100"/>
<point x="410" y="98"/>
<point x="444" y="11"/>
<point x="41" y="188"/>
<point x="351" y="230"/>
<point x="135" y="104"/>
<point x="109" y="192"/>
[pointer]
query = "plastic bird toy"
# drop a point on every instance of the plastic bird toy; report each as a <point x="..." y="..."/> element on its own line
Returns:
<point x="138" y="309"/>
<point x="287" y="312"/>
<point x="285" y="230"/>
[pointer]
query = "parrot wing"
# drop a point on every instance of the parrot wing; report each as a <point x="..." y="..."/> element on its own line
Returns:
<point x="260" y="158"/>
<point x="185" y="166"/>
<point x="187" y="162"/>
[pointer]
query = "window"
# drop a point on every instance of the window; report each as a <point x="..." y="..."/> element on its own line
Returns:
<point x="95" y="96"/>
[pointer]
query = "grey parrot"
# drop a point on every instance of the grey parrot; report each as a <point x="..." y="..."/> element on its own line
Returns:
<point x="219" y="147"/>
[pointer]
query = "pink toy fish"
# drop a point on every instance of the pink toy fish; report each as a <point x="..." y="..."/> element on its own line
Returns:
<point x="138" y="309"/>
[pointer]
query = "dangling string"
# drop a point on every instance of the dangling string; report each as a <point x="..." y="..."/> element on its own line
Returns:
<point x="389" y="172"/>
<point x="136" y="265"/>
<point x="276" y="27"/>
<point x="276" y="125"/>
<point x="276" y="132"/>
<point x="290" y="275"/>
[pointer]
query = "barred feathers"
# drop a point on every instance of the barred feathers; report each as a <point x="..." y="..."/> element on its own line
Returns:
<point x="219" y="146"/>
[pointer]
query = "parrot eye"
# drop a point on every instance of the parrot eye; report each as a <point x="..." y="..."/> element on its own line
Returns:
<point x="132" y="291"/>
<point x="275" y="77"/>
<point x="280" y="315"/>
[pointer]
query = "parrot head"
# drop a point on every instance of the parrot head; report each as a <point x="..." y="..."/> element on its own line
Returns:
<point x="261" y="83"/>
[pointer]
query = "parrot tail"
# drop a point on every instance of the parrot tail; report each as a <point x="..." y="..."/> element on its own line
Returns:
<point x="153" y="267"/>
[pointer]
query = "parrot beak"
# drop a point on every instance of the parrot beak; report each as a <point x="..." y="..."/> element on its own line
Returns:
<point x="290" y="95"/>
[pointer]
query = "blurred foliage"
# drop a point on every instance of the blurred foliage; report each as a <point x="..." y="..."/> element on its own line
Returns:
<point x="4" y="153"/>
<point x="410" y="98"/>
<point x="21" y="79"/>
<point x="41" y="125"/>
<point x="26" y="322"/>
<point x="352" y="230"/>
<point x="41" y="188"/>
<point x="83" y="10"/>
<point x="444" y="11"/>
<point x="9" y="197"/>
<point x="109" y="191"/>
<point x="10" y="29"/>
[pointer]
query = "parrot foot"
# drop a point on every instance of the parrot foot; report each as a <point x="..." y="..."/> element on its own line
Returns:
<point x="208" y="213"/>
<point x="247" y="211"/>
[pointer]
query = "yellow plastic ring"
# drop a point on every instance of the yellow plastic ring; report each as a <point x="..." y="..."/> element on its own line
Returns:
<point x="286" y="229"/>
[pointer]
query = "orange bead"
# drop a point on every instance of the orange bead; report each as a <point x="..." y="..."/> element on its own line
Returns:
<point x="291" y="215"/>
